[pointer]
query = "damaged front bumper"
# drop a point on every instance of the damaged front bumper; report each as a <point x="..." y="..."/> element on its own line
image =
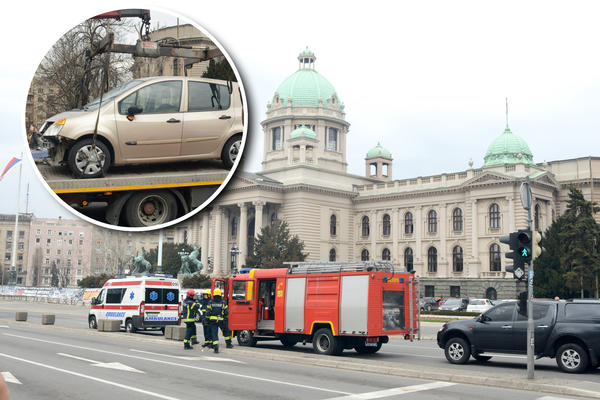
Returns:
<point x="58" y="147"/>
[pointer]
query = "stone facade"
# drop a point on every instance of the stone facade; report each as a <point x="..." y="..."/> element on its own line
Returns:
<point x="18" y="274"/>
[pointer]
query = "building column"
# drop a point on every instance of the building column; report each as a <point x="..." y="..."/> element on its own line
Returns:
<point x="443" y="245"/>
<point x="395" y="230"/>
<point x="374" y="231"/>
<point x="204" y="240"/>
<point x="218" y="264"/>
<point x="474" y="233"/>
<point x="511" y="214"/>
<point x="243" y="235"/>
<point x="418" y="227"/>
<point x="258" y="217"/>
<point x="548" y="215"/>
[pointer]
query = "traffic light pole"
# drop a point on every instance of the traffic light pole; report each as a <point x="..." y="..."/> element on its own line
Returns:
<point x="530" y="329"/>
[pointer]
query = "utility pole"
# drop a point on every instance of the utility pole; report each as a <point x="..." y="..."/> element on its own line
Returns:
<point x="13" y="269"/>
<point x="526" y="190"/>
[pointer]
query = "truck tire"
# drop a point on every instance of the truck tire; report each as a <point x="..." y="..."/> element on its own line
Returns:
<point x="153" y="207"/>
<point x="457" y="350"/>
<point x="84" y="164"/>
<point x="362" y="349"/>
<point x="325" y="343"/>
<point x="231" y="151"/>
<point x="246" y="338"/>
<point x="129" y="327"/>
<point x="288" y="340"/>
<point x="92" y="322"/>
<point x="572" y="358"/>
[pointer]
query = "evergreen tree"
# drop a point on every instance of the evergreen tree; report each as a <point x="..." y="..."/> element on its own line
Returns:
<point x="219" y="70"/>
<point x="94" y="281"/>
<point x="196" y="282"/>
<point x="274" y="246"/>
<point x="54" y="280"/>
<point x="549" y="273"/>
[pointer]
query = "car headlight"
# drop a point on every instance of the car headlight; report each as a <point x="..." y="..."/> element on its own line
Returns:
<point x="55" y="128"/>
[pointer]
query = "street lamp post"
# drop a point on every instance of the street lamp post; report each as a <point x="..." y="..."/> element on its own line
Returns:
<point x="234" y="254"/>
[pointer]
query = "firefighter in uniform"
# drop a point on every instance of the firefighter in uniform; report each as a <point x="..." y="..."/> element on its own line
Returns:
<point x="205" y="321"/>
<point x="190" y="308"/>
<point x="217" y="315"/>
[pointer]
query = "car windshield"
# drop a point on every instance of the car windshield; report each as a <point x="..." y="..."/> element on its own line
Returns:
<point x="111" y="94"/>
<point x="452" y="302"/>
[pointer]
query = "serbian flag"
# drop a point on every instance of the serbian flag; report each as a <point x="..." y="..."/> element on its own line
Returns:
<point x="14" y="161"/>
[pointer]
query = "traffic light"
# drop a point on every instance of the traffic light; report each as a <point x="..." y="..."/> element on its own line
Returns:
<point x="524" y="237"/>
<point x="536" y="248"/>
<point x="522" y="304"/>
<point x="513" y="242"/>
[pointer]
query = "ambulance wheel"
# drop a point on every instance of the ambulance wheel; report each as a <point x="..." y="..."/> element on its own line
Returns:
<point x="288" y="340"/>
<point x="129" y="327"/>
<point x="92" y="322"/>
<point x="362" y="349"/>
<point x="246" y="338"/>
<point x="325" y="343"/>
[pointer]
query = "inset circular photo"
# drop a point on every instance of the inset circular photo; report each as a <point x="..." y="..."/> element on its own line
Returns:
<point x="136" y="119"/>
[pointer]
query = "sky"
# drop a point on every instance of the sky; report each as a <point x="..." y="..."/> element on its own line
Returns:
<point x="426" y="79"/>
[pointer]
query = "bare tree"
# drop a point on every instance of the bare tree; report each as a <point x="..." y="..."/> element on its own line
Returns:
<point x="37" y="266"/>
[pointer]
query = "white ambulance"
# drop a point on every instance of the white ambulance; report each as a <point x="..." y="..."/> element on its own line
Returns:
<point x="139" y="302"/>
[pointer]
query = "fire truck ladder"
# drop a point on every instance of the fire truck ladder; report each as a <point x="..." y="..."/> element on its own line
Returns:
<point x="331" y="267"/>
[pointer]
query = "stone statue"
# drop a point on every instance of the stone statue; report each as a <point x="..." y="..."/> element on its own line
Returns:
<point x="141" y="265"/>
<point x="190" y="265"/>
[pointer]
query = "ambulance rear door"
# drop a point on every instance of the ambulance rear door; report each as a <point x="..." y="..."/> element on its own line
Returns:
<point x="161" y="305"/>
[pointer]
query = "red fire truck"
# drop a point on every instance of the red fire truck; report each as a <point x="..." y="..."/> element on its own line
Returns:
<point x="335" y="306"/>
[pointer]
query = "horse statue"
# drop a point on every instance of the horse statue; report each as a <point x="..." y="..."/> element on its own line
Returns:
<point x="190" y="265"/>
<point x="141" y="265"/>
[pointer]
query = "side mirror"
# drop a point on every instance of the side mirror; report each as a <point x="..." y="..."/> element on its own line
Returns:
<point x="94" y="301"/>
<point x="132" y="111"/>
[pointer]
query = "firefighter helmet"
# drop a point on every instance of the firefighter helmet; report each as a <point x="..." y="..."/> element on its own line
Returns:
<point x="191" y="293"/>
<point x="217" y="292"/>
<point x="206" y="292"/>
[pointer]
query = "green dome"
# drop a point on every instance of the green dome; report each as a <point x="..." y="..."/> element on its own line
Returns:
<point x="303" y="131"/>
<point x="505" y="149"/>
<point x="379" y="151"/>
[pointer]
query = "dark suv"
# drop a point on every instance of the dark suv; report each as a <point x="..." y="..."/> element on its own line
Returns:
<point x="566" y="330"/>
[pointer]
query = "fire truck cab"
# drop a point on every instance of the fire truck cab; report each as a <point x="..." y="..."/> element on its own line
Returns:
<point x="334" y="306"/>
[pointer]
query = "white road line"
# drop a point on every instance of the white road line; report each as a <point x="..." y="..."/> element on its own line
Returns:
<point x="77" y="358"/>
<point x="10" y="378"/>
<point x="112" y="365"/>
<point x="190" y="358"/>
<point x="396" y="391"/>
<point x="93" y="378"/>
<point x="211" y="370"/>
<point x="554" y="398"/>
<point x="4" y="326"/>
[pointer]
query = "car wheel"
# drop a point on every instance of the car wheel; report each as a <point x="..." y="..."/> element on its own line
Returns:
<point x="428" y="308"/>
<point x="362" y="349"/>
<point x="129" y="327"/>
<point x="84" y="162"/>
<point x="246" y="338"/>
<point x="231" y="151"/>
<point x="325" y="343"/>
<point x="289" y="340"/>
<point x="92" y="323"/>
<point x="457" y="350"/>
<point x="482" y="359"/>
<point x="572" y="358"/>
<point x="149" y="208"/>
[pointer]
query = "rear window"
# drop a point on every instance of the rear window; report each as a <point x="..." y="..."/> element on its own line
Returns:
<point x="162" y="296"/>
<point x="583" y="311"/>
<point x="393" y="310"/>
<point x="477" y="302"/>
<point x="204" y="96"/>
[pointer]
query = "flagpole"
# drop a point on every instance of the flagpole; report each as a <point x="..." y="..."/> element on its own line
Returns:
<point x="16" y="232"/>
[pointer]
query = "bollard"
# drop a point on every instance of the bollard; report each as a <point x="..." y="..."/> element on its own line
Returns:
<point x="48" y="319"/>
<point x="169" y="332"/>
<point x="109" y="325"/>
<point x="21" y="316"/>
<point x="178" y="333"/>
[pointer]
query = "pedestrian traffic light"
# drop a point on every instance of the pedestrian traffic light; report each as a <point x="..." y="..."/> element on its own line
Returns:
<point x="524" y="245"/>
<point x="518" y="267"/>
<point x="522" y="304"/>
<point x="536" y="248"/>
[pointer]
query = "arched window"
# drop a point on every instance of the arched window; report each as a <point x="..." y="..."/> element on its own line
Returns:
<point x="364" y="255"/>
<point x="408" y="259"/>
<point x="273" y="218"/>
<point x="365" y="226"/>
<point x="332" y="225"/>
<point x="432" y="221"/>
<point x="536" y="217"/>
<point x="408" y="223"/>
<point x="495" y="216"/>
<point x="385" y="255"/>
<point x="457" y="259"/>
<point x="332" y="255"/>
<point x="495" y="264"/>
<point x="457" y="220"/>
<point x="491" y="293"/>
<point x="387" y="225"/>
<point x="234" y="226"/>
<point x="432" y="259"/>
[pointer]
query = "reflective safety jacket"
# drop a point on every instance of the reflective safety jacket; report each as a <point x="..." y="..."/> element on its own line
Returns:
<point x="190" y="308"/>
<point x="217" y="310"/>
<point x="204" y="308"/>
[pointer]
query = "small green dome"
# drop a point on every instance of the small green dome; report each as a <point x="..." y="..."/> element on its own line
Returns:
<point x="379" y="151"/>
<point x="303" y="131"/>
<point x="506" y="148"/>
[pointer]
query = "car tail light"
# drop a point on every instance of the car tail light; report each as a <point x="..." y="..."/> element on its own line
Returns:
<point x="142" y="307"/>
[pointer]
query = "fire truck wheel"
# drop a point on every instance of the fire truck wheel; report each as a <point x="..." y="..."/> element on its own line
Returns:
<point x="129" y="327"/>
<point x="246" y="338"/>
<point x="288" y="340"/>
<point x="362" y="349"/>
<point x="457" y="350"/>
<point x="92" y="323"/>
<point x="325" y="343"/>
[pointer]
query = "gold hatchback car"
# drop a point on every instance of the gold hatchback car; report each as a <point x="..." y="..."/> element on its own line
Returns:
<point x="149" y="120"/>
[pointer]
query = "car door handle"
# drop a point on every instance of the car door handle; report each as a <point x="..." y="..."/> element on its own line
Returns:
<point x="173" y="121"/>
<point x="225" y="117"/>
<point x="506" y="326"/>
<point x="542" y="326"/>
